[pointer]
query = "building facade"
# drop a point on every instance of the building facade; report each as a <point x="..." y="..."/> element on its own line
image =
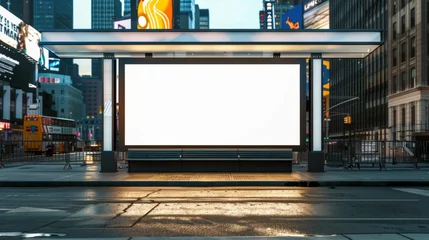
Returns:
<point x="409" y="70"/>
<point x="53" y="14"/>
<point x="103" y="13"/>
<point x="187" y="14"/>
<point x="279" y="7"/>
<point x="127" y="8"/>
<point x="366" y="78"/>
<point x="23" y="9"/>
<point x="92" y="95"/>
<point x="204" y="19"/>
<point x="68" y="100"/>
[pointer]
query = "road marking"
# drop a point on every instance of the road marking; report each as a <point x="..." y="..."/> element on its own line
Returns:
<point x="71" y="175"/>
<point x="349" y="219"/>
<point x="307" y="176"/>
<point x="414" y="191"/>
<point x="31" y="209"/>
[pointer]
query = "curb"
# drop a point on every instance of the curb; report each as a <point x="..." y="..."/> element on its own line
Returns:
<point x="214" y="183"/>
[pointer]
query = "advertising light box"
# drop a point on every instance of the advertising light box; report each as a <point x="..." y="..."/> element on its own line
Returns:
<point x="154" y="14"/>
<point x="228" y="105"/>
<point x="19" y="35"/>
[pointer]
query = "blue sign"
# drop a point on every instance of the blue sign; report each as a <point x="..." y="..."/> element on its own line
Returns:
<point x="293" y="19"/>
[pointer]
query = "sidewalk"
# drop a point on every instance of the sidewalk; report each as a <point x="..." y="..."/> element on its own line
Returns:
<point x="400" y="236"/>
<point x="53" y="175"/>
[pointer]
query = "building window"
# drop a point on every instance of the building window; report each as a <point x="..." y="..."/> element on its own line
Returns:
<point x="395" y="29"/>
<point x="403" y="24"/>
<point x="413" y="47"/>
<point x="413" y="118"/>
<point x="403" y="124"/>
<point x="413" y="77"/>
<point x="394" y="7"/>
<point x="413" y="18"/>
<point x="403" y="3"/>
<point x="404" y="81"/>
<point x="394" y="84"/>
<point x="403" y="52"/>
<point x="395" y="122"/>
<point x="395" y="57"/>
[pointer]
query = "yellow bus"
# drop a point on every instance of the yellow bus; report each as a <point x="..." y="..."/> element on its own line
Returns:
<point x="40" y="131"/>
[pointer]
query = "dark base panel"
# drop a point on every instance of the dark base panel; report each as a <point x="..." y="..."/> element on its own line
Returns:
<point x="209" y="166"/>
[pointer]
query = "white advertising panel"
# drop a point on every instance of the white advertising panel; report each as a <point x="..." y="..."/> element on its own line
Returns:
<point x="212" y="105"/>
<point x="17" y="34"/>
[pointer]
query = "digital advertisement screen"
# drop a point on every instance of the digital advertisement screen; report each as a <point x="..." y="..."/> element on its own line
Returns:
<point x="213" y="105"/>
<point x="16" y="69"/>
<point x="293" y="19"/>
<point x="154" y="14"/>
<point x="316" y="14"/>
<point x="19" y="35"/>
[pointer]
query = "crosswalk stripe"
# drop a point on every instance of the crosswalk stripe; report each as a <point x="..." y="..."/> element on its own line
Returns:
<point x="414" y="191"/>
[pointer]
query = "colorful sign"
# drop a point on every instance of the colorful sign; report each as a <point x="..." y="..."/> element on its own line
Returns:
<point x="4" y="125"/>
<point x="316" y="14"/>
<point x="155" y="14"/>
<point x="293" y="19"/>
<point x="19" y="35"/>
<point x="269" y="14"/>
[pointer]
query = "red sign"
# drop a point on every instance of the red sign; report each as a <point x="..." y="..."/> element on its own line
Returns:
<point x="4" y="125"/>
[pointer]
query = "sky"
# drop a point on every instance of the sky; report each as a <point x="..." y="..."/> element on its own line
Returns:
<point x="224" y="14"/>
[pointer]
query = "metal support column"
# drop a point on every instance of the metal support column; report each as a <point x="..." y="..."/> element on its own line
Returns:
<point x="316" y="160"/>
<point x="109" y="158"/>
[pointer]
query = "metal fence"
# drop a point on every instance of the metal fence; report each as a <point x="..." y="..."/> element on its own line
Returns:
<point x="48" y="152"/>
<point x="376" y="153"/>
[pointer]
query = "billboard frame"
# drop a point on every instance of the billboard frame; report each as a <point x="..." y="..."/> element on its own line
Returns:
<point x="268" y="61"/>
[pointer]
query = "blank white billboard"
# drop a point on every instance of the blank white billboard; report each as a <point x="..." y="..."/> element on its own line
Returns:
<point x="212" y="105"/>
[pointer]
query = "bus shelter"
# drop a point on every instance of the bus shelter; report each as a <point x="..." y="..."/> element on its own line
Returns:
<point x="270" y="54"/>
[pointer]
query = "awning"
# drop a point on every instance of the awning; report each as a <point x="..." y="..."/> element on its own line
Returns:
<point x="255" y="43"/>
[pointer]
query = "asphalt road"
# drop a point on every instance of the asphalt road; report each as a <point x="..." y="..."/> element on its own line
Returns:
<point x="252" y="211"/>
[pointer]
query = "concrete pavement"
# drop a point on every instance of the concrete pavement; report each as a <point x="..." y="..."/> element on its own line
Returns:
<point x="46" y="175"/>
<point x="404" y="236"/>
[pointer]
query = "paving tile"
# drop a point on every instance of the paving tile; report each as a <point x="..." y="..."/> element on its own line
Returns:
<point x="375" y="237"/>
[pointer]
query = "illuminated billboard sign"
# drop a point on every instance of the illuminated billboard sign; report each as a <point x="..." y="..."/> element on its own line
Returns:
<point x="19" y="35"/>
<point x="15" y="68"/>
<point x="316" y="14"/>
<point x="122" y="24"/>
<point x="309" y="5"/>
<point x="154" y="14"/>
<point x="293" y="19"/>
<point x="269" y="14"/>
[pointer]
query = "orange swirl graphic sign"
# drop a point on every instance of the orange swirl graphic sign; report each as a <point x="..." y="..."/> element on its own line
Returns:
<point x="155" y="14"/>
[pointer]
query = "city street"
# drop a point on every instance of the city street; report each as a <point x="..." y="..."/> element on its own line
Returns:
<point x="246" y="211"/>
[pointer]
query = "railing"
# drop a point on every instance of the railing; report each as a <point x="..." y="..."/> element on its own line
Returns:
<point x="376" y="153"/>
<point x="14" y="152"/>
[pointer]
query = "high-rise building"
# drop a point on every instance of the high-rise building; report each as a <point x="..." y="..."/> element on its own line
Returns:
<point x="53" y="14"/>
<point x="68" y="100"/>
<point x="197" y="16"/>
<point x="127" y="7"/>
<point x="103" y="13"/>
<point x="187" y="14"/>
<point x="364" y="78"/>
<point x="279" y="7"/>
<point x="408" y="69"/>
<point x="23" y="9"/>
<point x="204" y="21"/>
